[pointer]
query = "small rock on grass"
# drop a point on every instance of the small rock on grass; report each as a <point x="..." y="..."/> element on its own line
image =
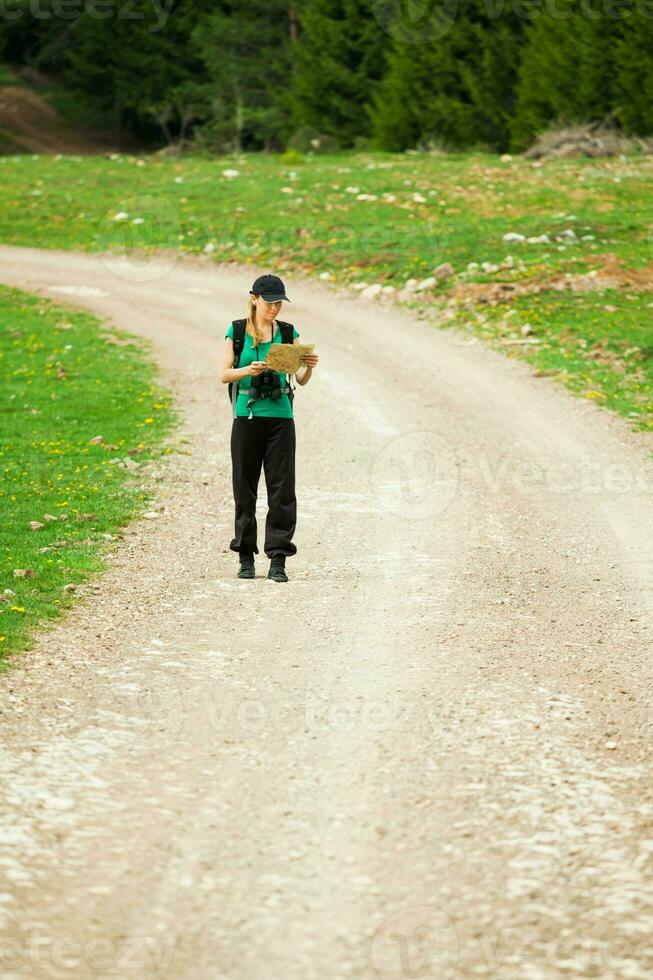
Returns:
<point x="443" y="271"/>
<point x="371" y="292"/>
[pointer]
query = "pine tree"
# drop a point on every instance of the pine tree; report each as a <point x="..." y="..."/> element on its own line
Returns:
<point x="456" y="89"/>
<point x="337" y="62"/>
<point x="634" y="73"/>
<point x="422" y="97"/>
<point x="134" y="64"/>
<point x="465" y="73"/>
<point x="566" y="73"/>
<point x="246" y="51"/>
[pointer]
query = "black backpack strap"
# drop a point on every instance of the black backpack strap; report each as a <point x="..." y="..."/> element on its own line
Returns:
<point x="287" y="331"/>
<point x="238" y="342"/>
<point x="239" y="339"/>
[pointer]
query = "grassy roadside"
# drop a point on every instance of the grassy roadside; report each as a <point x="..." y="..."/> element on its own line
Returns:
<point x="600" y="346"/>
<point x="383" y="219"/>
<point x="65" y="379"/>
<point x="7" y="77"/>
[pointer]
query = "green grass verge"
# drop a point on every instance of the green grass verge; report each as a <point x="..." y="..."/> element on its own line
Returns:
<point x="359" y="216"/>
<point x="598" y="345"/>
<point x="7" y="77"/>
<point x="470" y="201"/>
<point x="66" y="378"/>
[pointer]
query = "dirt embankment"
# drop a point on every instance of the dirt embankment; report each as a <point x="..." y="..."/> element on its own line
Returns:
<point x="610" y="274"/>
<point x="30" y="124"/>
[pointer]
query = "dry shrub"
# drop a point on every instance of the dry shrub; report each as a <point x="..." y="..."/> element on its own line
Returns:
<point x="598" y="139"/>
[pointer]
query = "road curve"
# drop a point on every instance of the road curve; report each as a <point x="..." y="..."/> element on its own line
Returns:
<point x="427" y="755"/>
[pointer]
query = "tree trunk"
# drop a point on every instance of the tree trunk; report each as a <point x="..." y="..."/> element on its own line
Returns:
<point x="239" y="121"/>
<point x="292" y="17"/>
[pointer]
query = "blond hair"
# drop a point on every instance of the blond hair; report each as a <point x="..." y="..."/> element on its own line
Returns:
<point x="251" y="321"/>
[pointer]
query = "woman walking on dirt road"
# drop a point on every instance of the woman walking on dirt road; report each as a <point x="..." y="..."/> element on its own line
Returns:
<point x="263" y="429"/>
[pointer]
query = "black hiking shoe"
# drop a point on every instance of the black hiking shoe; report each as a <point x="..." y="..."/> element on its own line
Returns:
<point x="277" y="570"/>
<point x="246" y="569"/>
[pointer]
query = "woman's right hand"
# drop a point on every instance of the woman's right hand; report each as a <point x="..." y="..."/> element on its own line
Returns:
<point x="256" y="367"/>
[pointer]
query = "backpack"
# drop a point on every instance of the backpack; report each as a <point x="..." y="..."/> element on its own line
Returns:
<point x="239" y="342"/>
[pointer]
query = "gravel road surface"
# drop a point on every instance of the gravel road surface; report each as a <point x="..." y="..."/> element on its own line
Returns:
<point x="427" y="755"/>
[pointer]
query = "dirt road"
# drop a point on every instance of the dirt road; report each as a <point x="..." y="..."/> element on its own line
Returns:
<point x="427" y="755"/>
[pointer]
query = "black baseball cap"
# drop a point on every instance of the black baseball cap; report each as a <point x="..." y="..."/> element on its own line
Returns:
<point x="270" y="288"/>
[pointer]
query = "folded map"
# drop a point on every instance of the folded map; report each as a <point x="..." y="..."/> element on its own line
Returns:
<point x="287" y="357"/>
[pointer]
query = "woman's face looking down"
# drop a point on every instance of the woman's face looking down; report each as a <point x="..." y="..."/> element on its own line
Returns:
<point x="268" y="310"/>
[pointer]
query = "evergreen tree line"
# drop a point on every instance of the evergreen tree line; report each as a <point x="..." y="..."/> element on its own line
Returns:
<point x="383" y="74"/>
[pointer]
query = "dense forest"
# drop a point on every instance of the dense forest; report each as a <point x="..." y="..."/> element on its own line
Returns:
<point x="378" y="74"/>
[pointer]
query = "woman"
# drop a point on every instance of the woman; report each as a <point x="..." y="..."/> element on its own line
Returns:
<point x="263" y="432"/>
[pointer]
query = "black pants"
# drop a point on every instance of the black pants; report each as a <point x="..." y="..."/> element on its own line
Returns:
<point x="270" y="442"/>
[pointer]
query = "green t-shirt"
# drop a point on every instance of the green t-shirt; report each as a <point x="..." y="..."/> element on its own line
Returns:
<point x="279" y="408"/>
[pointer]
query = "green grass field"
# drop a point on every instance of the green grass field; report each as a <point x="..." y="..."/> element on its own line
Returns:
<point x="66" y="378"/>
<point x="370" y="217"/>
<point x="306" y="215"/>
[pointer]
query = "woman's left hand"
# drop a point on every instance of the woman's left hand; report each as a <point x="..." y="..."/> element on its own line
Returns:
<point x="310" y="360"/>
